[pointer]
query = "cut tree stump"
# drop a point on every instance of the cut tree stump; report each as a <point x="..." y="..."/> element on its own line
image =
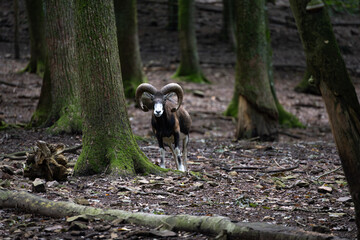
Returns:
<point x="219" y="226"/>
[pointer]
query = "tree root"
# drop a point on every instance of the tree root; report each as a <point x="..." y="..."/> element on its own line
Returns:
<point x="22" y="154"/>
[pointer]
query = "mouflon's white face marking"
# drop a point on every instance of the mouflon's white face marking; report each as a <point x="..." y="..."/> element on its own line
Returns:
<point x="158" y="109"/>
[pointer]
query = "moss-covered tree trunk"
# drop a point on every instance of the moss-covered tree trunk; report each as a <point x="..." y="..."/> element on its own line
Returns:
<point x="108" y="142"/>
<point x="257" y="112"/>
<point x="285" y="118"/>
<point x="36" y="20"/>
<point x="128" y="41"/>
<point x="305" y="86"/>
<point x="189" y="69"/>
<point x="60" y="38"/>
<point x="172" y="15"/>
<point x="329" y="72"/>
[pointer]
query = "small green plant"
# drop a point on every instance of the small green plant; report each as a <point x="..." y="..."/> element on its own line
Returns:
<point x="244" y="201"/>
<point x="158" y="212"/>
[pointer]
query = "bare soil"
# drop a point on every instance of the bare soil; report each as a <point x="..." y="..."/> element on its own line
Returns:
<point x="295" y="181"/>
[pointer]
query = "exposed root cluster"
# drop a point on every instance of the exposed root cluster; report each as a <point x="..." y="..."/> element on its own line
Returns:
<point x="47" y="161"/>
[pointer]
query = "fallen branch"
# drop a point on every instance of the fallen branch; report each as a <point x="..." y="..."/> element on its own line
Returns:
<point x="248" y="167"/>
<point x="308" y="105"/>
<point x="25" y="201"/>
<point x="72" y="149"/>
<point x="12" y="157"/>
<point x="261" y="169"/>
<point x="281" y="170"/>
<point x="327" y="173"/>
<point x="7" y="83"/>
<point x="289" y="134"/>
<point x="209" y="175"/>
<point x="15" y="156"/>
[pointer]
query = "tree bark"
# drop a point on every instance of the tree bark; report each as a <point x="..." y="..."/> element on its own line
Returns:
<point x="257" y="112"/>
<point x="172" y="15"/>
<point x="228" y="27"/>
<point x="220" y="226"/>
<point x="189" y="68"/>
<point x="108" y="142"/>
<point x="16" y="30"/>
<point x="38" y="61"/>
<point x="35" y="13"/>
<point x="286" y="119"/>
<point x="60" y="38"/>
<point x="128" y="42"/>
<point x="43" y="107"/>
<point x="328" y="70"/>
<point x="305" y="87"/>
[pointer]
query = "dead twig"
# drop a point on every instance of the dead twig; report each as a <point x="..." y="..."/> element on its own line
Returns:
<point x="253" y="139"/>
<point x="301" y="224"/>
<point x="277" y="163"/>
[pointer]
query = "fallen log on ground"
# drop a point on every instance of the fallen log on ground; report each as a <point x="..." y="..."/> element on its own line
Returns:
<point x="215" y="226"/>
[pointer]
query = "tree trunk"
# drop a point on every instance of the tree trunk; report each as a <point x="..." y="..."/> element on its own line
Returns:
<point x="286" y="119"/>
<point x="228" y="27"/>
<point x="172" y="15"/>
<point x="35" y="13"/>
<point x="328" y="70"/>
<point x="16" y="30"/>
<point x="305" y="87"/>
<point x="233" y="107"/>
<point x="43" y="107"/>
<point x="223" y="227"/>
<point x="257" y="113"/>
<point x="60" y="39"/>
<point x="108" y="142"/>
<point x="189" y="68"/>
<point x="128" y="42"/>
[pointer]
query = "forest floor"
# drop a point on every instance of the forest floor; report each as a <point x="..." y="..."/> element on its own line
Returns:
<point x="295" y="181"/>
